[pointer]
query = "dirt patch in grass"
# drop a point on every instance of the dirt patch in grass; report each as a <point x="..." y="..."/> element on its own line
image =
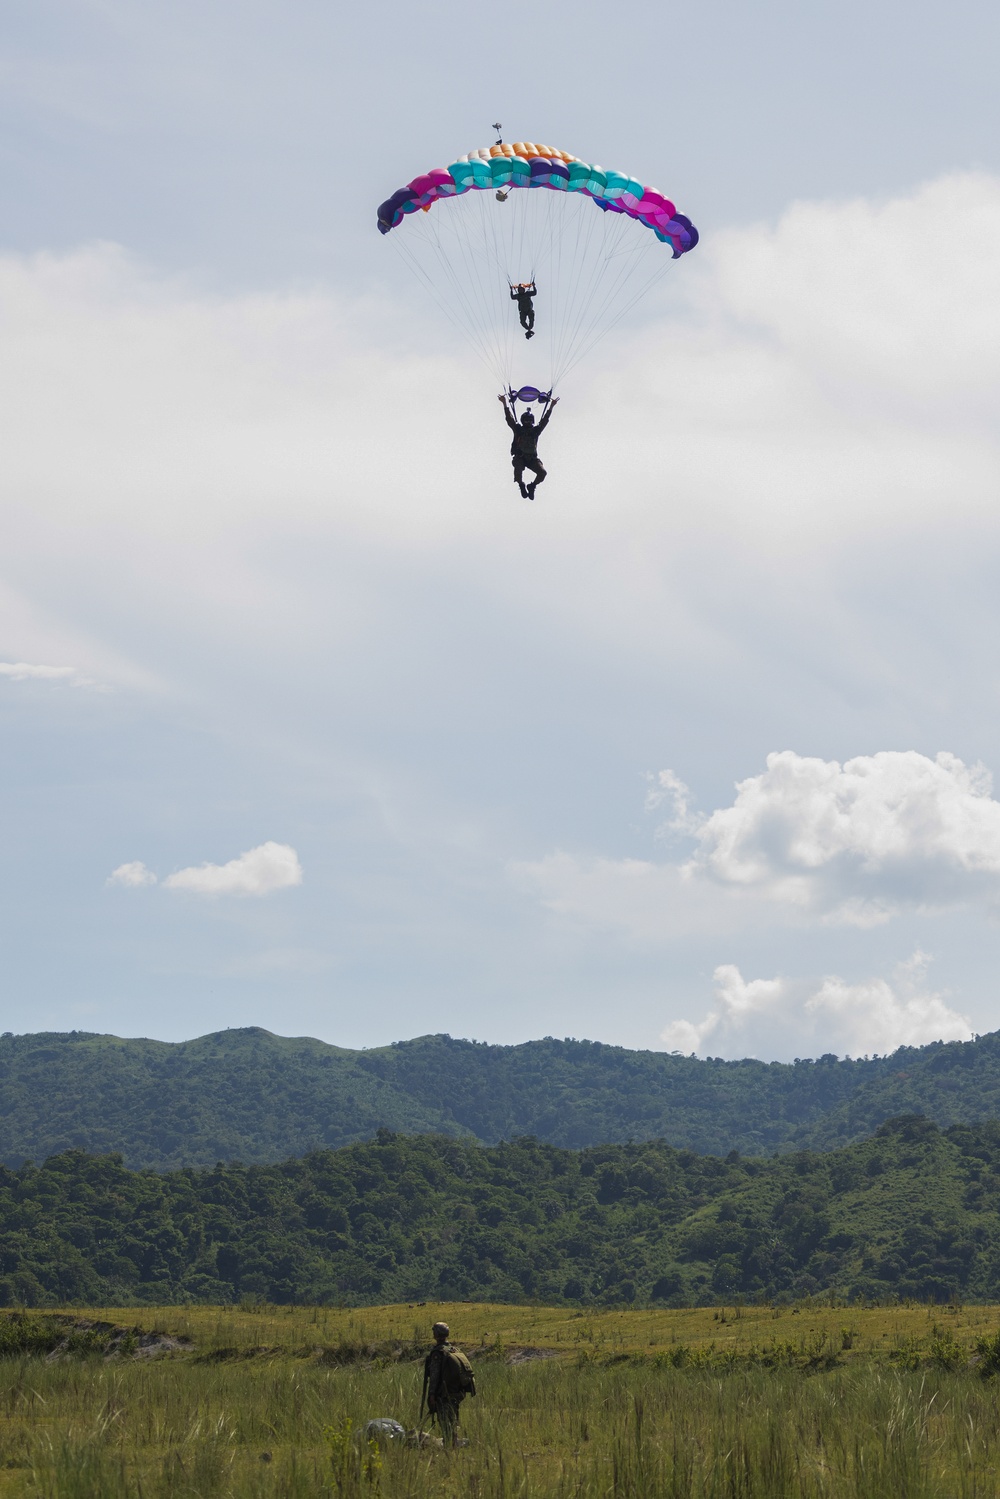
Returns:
<point x="54" y="1336"/>
<point x="529" y="1355"/>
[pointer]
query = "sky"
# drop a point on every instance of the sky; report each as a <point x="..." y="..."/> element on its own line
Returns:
<point x="307" y="721"/>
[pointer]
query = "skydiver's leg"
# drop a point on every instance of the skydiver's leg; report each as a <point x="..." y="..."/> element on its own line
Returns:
<point x="519" y="478"/>
<point x="539" y="473"/>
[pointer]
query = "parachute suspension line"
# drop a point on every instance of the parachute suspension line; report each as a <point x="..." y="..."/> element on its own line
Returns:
<point x="580" y="276"/>
<point x="637" y="253"/>
<point x="481" y="278"/>
<point x="470" y="325"/>
<point x="459" y="300"/>
<point x="589" y="310"/>
<point x="482" y="281"/>
<point x="597" y="287"/>
<point x="596" y="333"/>
<point x="476" y="289"/>
<point x="492" y="222"/>
<point x="608" y="278"/>
<point x="591" y="267"/>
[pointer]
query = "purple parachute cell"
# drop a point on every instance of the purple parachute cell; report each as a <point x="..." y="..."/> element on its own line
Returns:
<point x="691" y="231"/>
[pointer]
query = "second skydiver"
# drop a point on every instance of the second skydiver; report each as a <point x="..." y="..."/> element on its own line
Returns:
<point x="522" y="294"/>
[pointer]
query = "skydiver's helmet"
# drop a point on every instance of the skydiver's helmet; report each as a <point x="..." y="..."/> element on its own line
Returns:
<point x="527" y="419"/>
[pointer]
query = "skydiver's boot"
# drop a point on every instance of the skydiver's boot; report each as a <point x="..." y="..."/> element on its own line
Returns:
<point x="530" y="491"/>
<point x="529" y="334"/>
<point x="525" y="492"/>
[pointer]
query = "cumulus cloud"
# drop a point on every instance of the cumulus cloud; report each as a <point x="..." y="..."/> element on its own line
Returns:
<point x="27" y="671"/>
<point x="785" y="1017"/>
<point x="259" y="871"/>
<point x="132" y="875"/>
<point x="860" y="841"/>
<point x="853" y="844"/>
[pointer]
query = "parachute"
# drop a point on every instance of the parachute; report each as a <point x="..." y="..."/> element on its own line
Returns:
<point x="471" y="234"/>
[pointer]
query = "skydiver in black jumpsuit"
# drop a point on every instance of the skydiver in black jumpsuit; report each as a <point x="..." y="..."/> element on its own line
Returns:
<point x="522" y="295"/>
<point x="524" y="448"/>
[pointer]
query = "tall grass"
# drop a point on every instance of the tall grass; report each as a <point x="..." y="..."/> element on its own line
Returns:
<point x="571" y="1430"/>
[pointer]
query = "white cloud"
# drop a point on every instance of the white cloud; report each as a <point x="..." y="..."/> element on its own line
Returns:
<point x="852" y="292"/>
<point x="669" y="789"/>
<point x="646" y="901"/>
<point x="132" y="875"/>
<point x="26" y="671"/>
<point x="857" y="842"/>
<point x="852" y="844"/>
<point x="259" y="871"/>
<point x="783" y="1017"/>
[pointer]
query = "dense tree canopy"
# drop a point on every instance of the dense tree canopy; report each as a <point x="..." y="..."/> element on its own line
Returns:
<point x="910" y="1212"/>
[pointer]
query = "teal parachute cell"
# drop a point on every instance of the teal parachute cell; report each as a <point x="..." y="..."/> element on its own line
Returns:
<point x="579" y="176"/>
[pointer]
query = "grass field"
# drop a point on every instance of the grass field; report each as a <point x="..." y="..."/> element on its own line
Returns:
<point x="737" y="1403"/>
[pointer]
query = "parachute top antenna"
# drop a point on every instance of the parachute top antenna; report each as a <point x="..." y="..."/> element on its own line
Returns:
<point x="497" y="127"/>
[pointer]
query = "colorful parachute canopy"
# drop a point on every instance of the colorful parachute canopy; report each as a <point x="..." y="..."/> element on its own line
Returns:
<point x="589" y="269"/>
<point x="525" y="164"/>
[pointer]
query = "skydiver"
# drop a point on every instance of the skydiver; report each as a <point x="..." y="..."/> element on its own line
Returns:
<point x="524" y="448"/>
<point x="522" y="294"/>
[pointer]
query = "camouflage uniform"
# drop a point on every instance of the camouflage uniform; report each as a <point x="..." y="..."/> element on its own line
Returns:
<point x="442" y="1402"/>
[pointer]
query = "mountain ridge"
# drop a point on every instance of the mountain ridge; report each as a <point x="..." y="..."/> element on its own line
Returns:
<point x="248" y="1094"/>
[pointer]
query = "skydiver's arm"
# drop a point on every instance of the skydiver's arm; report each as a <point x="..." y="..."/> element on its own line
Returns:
<point x="508" y="418"/>
<point x="548" y="412"/>
<point x="513" y="294"/>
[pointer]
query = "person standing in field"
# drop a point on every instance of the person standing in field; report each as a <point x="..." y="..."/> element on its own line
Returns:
<point x="448" y="1378"/>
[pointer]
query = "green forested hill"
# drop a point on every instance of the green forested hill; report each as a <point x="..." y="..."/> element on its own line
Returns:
<point x="237" y="1094"/>
<point x="912" y="1212"/>
<point x="252" y="1096"/>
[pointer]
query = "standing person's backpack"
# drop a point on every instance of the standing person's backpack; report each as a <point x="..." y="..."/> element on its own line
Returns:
<point x="456" y="1372"/>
